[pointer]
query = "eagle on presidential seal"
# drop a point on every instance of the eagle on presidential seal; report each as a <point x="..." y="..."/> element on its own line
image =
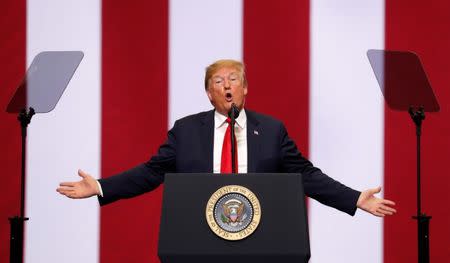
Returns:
<point x="233" y="212"/>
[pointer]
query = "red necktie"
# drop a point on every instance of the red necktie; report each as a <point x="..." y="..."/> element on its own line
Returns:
<point x="225" y="165"/>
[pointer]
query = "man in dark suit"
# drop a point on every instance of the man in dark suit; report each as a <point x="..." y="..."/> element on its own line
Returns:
<point x="200" y="143"/>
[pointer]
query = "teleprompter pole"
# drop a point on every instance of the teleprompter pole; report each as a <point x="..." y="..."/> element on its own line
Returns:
<point x="17" y="222"/>
<point x="423" y="221"/>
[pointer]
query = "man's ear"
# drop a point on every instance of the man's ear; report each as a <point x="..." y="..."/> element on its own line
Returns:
<point x="245" y="90"/>
<point x="209" y="94"/>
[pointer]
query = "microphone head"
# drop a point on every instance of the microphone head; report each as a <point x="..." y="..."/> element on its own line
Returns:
<point x="234" y="111"/>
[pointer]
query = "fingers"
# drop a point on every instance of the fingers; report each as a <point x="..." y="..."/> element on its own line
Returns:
<point x="68" y="184"/>
<point x="65" y="191"/>
<point x="388" y="209"/>
<point x="376" y="213"/>
<point x="82" y="174"/>
<point x="69" y="193"/>
<point x="65" y="188"/>
<point x="375" y="190"/>
<point x="387" y="202"/>
<point x="370" y="192"/>
<point x="383" y="210"/>
<point x="68" y="189"/>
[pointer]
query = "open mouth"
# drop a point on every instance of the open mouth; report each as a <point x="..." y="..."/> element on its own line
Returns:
<point x="228" y="97"/>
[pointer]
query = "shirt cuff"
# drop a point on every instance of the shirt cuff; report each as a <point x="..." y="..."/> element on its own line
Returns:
<point x="100" y="188"/>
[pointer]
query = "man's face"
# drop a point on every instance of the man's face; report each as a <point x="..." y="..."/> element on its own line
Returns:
<point x="226" y="87"/>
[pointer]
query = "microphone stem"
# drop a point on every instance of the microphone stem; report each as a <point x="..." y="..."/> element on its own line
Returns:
<point x="233" y="112"/>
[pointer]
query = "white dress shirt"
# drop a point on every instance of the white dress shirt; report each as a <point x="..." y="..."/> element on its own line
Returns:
<point x="240" y="130"/>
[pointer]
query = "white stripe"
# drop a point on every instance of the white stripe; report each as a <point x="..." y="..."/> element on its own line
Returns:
<point x="60" y="142"/>
<point x="346" y="124"/>
<point x="201" y="31"/>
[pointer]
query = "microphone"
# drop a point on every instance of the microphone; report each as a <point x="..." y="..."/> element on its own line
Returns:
<point x="233" y="113"/>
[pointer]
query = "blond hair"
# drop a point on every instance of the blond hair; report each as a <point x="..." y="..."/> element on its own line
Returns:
<point x="225" y="63"/>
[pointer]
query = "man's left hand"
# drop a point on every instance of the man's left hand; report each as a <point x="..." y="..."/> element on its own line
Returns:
<point x="374" y="205"/>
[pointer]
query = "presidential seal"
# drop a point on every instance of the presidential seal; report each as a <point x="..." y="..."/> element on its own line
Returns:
<point x="233" y="212"/>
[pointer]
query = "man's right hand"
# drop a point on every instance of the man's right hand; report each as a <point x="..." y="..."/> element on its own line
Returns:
<point x="85" y="188"/>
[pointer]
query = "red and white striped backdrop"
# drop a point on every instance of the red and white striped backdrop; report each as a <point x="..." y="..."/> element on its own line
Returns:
<point x="143" y="68"/>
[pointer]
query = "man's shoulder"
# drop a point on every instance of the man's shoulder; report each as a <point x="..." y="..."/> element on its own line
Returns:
<point x="195" y="118"/>
<point x="261" y="118"/>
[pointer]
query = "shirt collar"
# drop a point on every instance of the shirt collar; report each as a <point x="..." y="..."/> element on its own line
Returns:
<point x="220" y="119"/>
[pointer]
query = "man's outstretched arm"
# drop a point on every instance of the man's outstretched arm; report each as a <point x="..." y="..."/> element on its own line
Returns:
<point x="327" y="190"/>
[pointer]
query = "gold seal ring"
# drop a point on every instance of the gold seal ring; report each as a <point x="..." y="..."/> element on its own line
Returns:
<point x="233" y="212"/>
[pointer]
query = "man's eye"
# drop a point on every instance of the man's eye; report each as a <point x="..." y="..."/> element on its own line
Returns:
<point x="233" y="79"/>
<point x="218" y="81"/>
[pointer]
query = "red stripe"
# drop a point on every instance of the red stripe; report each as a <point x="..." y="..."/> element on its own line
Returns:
<point x="12" y="66"/>
<point x="134" y="120"/>
<point x="276" y="53"/>
<point x="423" y="28"/>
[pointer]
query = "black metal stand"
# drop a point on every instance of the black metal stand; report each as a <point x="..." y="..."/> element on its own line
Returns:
<point x="423" y="221"/>
<point x="233" y="114"/>
<point x="17" y="222"/>
<point x="47" y="78"/>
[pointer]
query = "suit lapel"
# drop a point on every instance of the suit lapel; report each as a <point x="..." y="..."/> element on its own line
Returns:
<point x="207" y="135"/>
<point x="252" y="141"/>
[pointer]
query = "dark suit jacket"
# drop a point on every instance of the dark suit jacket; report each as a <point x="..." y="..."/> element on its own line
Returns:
<point x="189" y="149"/>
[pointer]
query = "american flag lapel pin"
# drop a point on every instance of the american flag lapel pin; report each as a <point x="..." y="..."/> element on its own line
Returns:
<point x="255" y="132"/>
